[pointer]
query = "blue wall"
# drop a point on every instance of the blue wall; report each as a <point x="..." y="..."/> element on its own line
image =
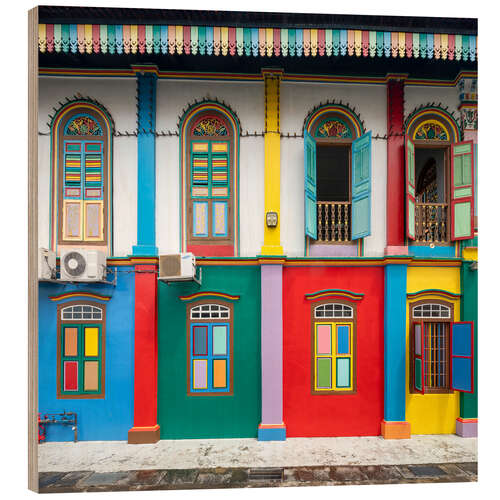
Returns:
<point x="427" y="251"/>
<point x="98" y="419"/>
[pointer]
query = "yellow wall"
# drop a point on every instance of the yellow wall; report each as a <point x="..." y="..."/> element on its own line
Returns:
<point x="431" y="413"/>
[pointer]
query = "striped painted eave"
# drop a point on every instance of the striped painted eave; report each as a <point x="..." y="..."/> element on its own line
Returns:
<point x="255" y="42"/>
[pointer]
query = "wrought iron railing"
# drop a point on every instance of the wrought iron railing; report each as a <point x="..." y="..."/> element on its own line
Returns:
<point x="334" y="221"/>
<point x="431" y="222"/>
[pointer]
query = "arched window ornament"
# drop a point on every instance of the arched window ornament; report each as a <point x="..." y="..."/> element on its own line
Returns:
<point x="210" y="126"/>
<point x="83" y="125"/>
<point x="431" y="311"/>
<point x="333" y="311"/>
<point x="81" y="312"/>
<point x="431" y="130"/>
<point x="209" y="311"/>
<point x="334" y="128"/>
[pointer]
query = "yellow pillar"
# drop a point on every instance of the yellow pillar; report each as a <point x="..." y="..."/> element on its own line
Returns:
<point x="272" y="158"/>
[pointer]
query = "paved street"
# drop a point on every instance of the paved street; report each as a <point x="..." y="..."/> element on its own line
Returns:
<point x="237" y="463"/>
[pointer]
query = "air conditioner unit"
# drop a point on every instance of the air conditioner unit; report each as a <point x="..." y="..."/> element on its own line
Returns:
<point x="177" y="267"/>
<point x="79" y="264"/>
<point x="46" y="264"/>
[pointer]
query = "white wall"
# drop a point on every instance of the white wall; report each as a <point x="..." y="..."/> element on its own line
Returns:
<point x="297" y="100"/>
<point x="416" y="95"/>
<point x="118" y="97"/>
<point x="247" y="101"/>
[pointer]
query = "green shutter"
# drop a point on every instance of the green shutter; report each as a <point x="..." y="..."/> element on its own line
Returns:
<point x="410" y="188"/>
<point x="310" y="217"/>
<point x="462" y="190"/>
<point x="361" y="186"/>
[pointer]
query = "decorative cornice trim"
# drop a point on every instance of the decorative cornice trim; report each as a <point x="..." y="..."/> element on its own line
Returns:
<point x="432" y="291"/>
<point x="78" y="294"/>
<point x="203" y="295"/>
<point x="124" y="39"/>
<point x="334" y="292"/>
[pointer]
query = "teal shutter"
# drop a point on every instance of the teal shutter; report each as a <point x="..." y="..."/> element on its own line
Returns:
<point x="410" y="188"/>
<point x="310" y="217"/>
<point x="361" y="186"/>
<point x="462" y="190"/>
<point x="462" y="356"/>
<point x="418" y="357"/>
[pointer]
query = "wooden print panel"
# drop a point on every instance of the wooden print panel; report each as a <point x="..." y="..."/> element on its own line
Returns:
<point x="200" y="218"/>
<point x="219" y="218"/>
<point x="93" y="221"/>
<point x="72" y="220"/>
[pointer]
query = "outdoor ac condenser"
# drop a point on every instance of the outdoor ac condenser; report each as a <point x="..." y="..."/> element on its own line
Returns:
<point x="177" y="267"/>
<point x="46" y="264"/>
<point x="79" y="264"/>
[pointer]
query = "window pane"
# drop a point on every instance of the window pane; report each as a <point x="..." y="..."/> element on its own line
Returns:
<point x="71" y="375"/>
<point x="343" y="339"/>
<point x="71" y="342"/>
<point x="343" y="372"/>
<point x="324" y="373"/>
<point x="418" y="340"/>
<point x="219" y="370"/>
<point x="91" y="341"/>
<point x="200" y="374"/>
<point x="219" y="340"/>
<point x="324" y="339"/>
<point x="91" y="376"/>
<point x="200" y="340"/>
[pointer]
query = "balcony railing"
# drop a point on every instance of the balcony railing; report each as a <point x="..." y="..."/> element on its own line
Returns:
<point x="334" y="221"/>
<point x="431" y="222"/>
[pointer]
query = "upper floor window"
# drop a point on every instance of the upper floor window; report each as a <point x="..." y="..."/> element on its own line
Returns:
<point x="81" y="346"/>
<point x="81" y="186"/>
<point x="439" y="179"/>
<point x="210" y="349"/>
<point x="337" y="159"/>
<point x="210" y="141"/>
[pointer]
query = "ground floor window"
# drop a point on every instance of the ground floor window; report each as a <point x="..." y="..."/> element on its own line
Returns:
<point x="333" y="349"/>
<point x="210" y="349"/>
<point x="81" y="351"/>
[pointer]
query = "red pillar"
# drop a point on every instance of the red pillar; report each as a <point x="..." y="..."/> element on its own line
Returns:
<point x="395" y="168"/>
<point x="146" y="428"/>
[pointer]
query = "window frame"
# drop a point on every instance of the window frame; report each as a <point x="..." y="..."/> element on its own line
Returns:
<point x="353" y="348"/>
<point x="190" y="138"/>
<point x="214" y="322"/>
<point x="106" y="166"/>
<point x="412" y="322"/>
<point x="61" y="324"/>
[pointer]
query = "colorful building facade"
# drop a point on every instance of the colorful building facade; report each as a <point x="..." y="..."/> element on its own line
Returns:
<point x="324" y="178"/>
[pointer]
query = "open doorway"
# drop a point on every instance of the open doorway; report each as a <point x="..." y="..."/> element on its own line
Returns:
<point x="333" y="192"/>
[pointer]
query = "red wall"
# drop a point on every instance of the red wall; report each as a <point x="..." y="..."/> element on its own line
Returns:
<point x="357" y="414"/>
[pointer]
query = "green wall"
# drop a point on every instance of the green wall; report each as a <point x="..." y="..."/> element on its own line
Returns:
<point x="468" y="402"/>
<point x="181" y="416"/>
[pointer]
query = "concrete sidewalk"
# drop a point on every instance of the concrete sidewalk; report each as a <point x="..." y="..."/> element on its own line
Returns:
<point x="118" y="456"/>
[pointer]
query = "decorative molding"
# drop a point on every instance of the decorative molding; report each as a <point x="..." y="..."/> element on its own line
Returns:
<point x="347" y="112"/>
<point x="207" y="295"/>
<point x="334" y="292"/>
<point x="438" y="113"/>
<point x="432" y="291"/>
<point x="257" y="42"/>
<point x="78" y="294"/>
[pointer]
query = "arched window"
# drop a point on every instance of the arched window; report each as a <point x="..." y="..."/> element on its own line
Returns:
<point x="334" y="348"/>
<point x="210" y="348"/>
<point x="81" y="350"/>
<point x="209" y="189"/>
<point x="439" y="178"/>
<point x="81" y="176"/>
<point x="337" y="156"/>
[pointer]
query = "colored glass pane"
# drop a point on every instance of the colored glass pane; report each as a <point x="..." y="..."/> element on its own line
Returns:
<point x="324" y="373"/>
<point x="200" y="340"/>
<point x="91" y="341"/>
<point x="91" y="376"/>
<point x="343" y="339"/>
<point x="71" y="341"/>
<point x="219" y="344"/>
<point x="324" y="339"/>
<point x="343" y="372"/>
<point x="200" y="374"/>
<point x="71" y="375"/>
<point x="219" y="373"/>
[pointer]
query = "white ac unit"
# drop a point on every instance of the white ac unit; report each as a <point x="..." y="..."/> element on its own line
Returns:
<point x="79" y="264"/>
<point x="46" y="264"/>
<point x="177" y="267"/>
